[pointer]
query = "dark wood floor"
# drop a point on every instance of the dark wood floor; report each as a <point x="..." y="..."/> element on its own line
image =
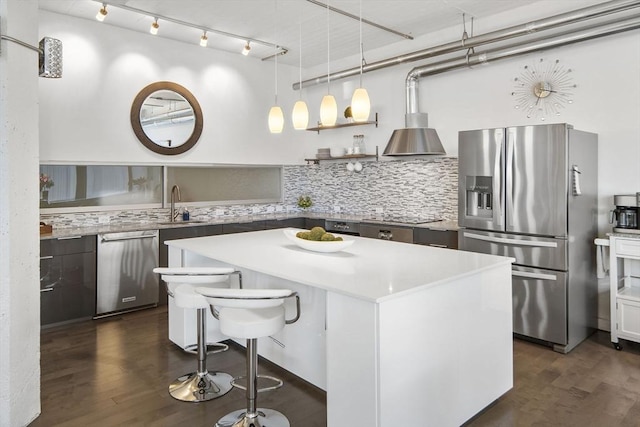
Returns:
<point x="115" y="372"/>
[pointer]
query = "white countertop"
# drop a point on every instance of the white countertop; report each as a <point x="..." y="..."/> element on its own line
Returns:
<point x="370" y="269"/>
<point x="199" y="222"/>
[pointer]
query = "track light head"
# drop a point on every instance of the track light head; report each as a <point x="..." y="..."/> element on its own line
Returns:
<point x="154" y="27"/>
<point x="102" y="13"/>
<point x="204" y="40"/>
<point x="246" y="49"/>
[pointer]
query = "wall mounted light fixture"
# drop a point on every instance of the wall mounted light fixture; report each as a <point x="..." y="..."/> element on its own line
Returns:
<point x="49" y="55"/>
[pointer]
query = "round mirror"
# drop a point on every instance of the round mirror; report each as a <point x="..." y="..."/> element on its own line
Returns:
<point x="166" y="118"/>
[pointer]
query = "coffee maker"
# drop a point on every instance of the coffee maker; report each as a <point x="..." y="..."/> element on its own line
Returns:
<point x="625" y="216"/>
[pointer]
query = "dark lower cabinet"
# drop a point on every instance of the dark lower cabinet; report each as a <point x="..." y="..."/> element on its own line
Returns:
<point x="436" y="237"/>
<point x="67" y="279"/>
<point x="309" y="223"/>
<point x="181" y="232"/>
<point x="283" y="223"/>
<point x="241" y="227"/>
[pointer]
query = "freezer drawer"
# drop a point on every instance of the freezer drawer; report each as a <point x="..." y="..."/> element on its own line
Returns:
<point x="542" y="252"/>
<point x="125" y="271"/>
<point x="540" y="304"/>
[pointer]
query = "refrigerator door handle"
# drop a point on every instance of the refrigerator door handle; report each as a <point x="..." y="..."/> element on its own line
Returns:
<point x="509" y="176"/>
<point x="498" y="186"/>
<point x="529" y="275"/>
<point x="508" y="241"/>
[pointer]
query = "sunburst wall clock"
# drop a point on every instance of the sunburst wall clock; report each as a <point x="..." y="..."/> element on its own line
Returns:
<point x="543" y="89"/>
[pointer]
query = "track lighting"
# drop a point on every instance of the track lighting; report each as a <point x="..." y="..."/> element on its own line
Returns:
<point x="246" y="49"/>
<point x="102" y="13"/>
<point x="154" y="27"/>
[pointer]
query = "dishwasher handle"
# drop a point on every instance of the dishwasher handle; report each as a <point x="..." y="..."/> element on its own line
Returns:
<point x="119" y="239"/>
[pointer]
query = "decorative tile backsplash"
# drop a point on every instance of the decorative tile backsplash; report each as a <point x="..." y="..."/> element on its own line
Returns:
<point x="423" y="187"/>
<point x="417" y="187"/>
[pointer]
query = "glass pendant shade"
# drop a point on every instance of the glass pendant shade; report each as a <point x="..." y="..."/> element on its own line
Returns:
<point x="360" y="105"/>
<point x="300" y="115"/>
<point x="328" y="111"/>
<point x="276" y="119"/>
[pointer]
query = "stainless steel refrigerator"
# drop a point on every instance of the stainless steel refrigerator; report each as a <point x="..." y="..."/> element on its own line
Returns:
<point x="530" y="193"/>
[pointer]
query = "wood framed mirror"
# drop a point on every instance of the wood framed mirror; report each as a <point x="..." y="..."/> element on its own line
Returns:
<point x="166" y="118"/>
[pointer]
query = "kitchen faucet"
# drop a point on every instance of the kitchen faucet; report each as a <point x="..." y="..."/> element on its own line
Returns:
<point x="173" y="213"/>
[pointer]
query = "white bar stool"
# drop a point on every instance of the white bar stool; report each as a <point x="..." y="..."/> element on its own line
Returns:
<point x="251" y="314"/>
<point x="201" y="385"/>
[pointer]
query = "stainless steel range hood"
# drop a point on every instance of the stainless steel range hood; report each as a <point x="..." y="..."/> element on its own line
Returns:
<point x="417" y="138"/>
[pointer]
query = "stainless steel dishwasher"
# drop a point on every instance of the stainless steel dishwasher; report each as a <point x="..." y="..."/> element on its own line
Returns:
<point x="125" y="266"/>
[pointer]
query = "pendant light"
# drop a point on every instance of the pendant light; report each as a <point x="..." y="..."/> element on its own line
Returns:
<point x="300" y="113"/>
<point x="276" y="117"/>
<point x="328" y="107"/>
<point x="360" y="104"/>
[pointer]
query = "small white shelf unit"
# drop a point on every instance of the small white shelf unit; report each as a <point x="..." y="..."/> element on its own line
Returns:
<point x="624" y="263"/>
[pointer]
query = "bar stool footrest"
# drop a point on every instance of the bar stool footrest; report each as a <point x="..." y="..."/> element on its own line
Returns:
<point x="278" y="382"/>
<point x="212" y="348"/>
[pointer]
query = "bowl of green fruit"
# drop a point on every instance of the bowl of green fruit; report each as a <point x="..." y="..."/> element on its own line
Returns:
<point x="317" y="240"/>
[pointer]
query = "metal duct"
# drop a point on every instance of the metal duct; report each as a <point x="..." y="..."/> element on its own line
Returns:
<point x="400" y="142"/>
<point x="492" y="37"/>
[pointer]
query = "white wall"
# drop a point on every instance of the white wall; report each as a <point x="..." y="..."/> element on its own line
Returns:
<point x="85" y="115"/>
<point x="19" y="245"/>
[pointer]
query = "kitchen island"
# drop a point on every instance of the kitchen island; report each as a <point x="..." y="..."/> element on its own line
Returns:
<point x="397" y="334"/>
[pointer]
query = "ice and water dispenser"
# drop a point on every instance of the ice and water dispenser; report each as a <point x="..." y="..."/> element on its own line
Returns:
<point x="479" y="199"/>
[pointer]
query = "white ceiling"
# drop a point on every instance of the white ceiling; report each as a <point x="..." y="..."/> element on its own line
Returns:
<point x="280" y="21"/>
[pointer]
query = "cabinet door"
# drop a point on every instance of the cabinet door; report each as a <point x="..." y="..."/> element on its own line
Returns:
<point x="243" y="227"/>
<point x="629" y="319"/>
<point x="67" y="287"/>
<point x="309" y="223"/>
<point x="436" y="238"/>
<point x="283" y="223"/>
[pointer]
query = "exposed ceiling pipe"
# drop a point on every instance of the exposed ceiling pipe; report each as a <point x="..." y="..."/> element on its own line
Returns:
<point x="403" y="142"/>
<point x="492" y="37"/>
<point x="516" y="49"/>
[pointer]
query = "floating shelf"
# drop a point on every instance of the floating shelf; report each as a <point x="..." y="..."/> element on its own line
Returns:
<point x="316" y="161"/>
<point x="344" y="125"/>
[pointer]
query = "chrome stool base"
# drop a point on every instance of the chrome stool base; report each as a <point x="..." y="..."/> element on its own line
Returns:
<point x="264" y="418"/>
<point x="196" y="387"/>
